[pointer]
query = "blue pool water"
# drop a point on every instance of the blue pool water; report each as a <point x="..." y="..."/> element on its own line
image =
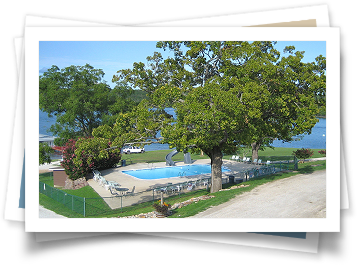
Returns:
<point x="170" y="172"/>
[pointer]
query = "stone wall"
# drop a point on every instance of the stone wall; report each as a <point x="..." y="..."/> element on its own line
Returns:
<point x="75" y="184"/>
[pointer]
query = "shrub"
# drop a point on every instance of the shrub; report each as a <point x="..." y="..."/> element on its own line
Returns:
<point x="68" y="163"/>
<point x="164" y="208"/>
<point x="86" y="154"/>
<point x="45" y="152"/>
<point x="322" y="152"/>
<point x="303" y="153"/>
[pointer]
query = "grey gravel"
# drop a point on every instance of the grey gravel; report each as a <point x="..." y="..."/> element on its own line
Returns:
<point x="299" y="196"/>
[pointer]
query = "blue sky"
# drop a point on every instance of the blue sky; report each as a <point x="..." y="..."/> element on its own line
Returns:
<point x="112" y="56"/>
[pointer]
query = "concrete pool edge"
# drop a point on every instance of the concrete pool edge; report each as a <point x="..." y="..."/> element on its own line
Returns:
<point x="172" y="171"/>
<point x="144" y="187"/>
<point x="127" y="181"/>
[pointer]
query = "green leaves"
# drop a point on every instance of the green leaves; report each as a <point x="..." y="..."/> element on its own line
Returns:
<point x="45" y="152"/>
<point x="227" y="93"/>
<point x="86" y="154"/>
<point x="80" y="100"/>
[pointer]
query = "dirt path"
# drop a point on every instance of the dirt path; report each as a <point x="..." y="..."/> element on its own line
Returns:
<point x="300" y="196"/>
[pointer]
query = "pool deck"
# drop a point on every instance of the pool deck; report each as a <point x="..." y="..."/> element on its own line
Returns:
<point x="142" y="185"/>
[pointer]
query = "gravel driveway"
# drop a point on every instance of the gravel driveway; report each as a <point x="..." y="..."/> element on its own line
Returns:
<point x="299" y="196"/>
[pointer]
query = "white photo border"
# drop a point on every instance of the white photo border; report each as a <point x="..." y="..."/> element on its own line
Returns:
<point x="35" y="224"/>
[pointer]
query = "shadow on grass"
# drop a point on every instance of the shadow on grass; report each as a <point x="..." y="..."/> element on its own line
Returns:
<point x="306" y="170"/>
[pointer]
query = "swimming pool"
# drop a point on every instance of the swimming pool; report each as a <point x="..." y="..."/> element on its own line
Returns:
<point x="170" y="172"/>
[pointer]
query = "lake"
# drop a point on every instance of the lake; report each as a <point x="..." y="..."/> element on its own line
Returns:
<point x="316" y="140"/>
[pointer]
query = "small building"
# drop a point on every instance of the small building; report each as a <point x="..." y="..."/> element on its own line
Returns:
<point x="59" y="177"/>
<point x="50" y="140"/>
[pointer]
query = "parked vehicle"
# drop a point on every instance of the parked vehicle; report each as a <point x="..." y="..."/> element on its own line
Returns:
<point x="133" y="149"/>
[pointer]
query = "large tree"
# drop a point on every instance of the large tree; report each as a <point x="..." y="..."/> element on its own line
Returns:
<point x="227" y="94"/>
<point x="294" y="94"/>
<point x="80" y="100"/>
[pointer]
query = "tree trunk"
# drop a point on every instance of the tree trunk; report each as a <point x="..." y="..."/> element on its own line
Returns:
<point x="216" y="169"/>
<point x="255" y="148"/>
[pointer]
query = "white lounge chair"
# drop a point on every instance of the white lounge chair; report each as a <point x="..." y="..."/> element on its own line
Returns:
<point x="259" y="161"/>
<point x="101" y="181"/>
<point x="244" y="159"/>
<point x="255" y="161"/>
<point x="248" y="160"/>
<point x="178" y="188"/>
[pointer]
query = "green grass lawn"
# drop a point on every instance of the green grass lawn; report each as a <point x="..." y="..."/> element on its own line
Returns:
<point x="159" y="156"/>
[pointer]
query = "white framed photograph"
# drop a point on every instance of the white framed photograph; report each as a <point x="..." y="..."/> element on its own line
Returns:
<point x="250" y="53"/>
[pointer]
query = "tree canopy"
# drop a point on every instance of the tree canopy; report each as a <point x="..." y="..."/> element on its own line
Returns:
<point x="81" y="100"/>
<point x="225" y="94"/>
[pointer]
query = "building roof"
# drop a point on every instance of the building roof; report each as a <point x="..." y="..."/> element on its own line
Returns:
<point x="46" y="138"/>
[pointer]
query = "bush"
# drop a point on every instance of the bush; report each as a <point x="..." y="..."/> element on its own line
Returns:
<point x="86" y="154"/>
<point x="164" y="208"/>
<point x="303" y="153"/>
<point x="322" y="152"/>
<point x="45" y="152"/>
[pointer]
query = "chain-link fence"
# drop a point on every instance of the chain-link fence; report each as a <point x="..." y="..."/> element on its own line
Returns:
<point x="72" y="202"/>
<point x="91" y="207"/>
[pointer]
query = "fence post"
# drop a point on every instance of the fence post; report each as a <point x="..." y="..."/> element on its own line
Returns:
<point x="84" y="206"/>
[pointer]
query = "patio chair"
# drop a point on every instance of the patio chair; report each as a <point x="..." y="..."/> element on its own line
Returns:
<point x="268" y="162"/>
<point x="113" y="184"/>
<point x="169" y="189"/>
<point x="248" y="160"/>
<point x="259" y="161"/>
<point x="96" y="172"/>
<point x="130" y="192"/>
<point x="107" y="185"/>
<point x="205" y="183"/>
<point x="255" y="161"/>
<point x="244" y="159"/>
<point x="189" y="186"/>
<point x="101" y="181"/>
<point x="178" y="188"/>
<point x="237" y="158"/>
<point x="113" y="191"/>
